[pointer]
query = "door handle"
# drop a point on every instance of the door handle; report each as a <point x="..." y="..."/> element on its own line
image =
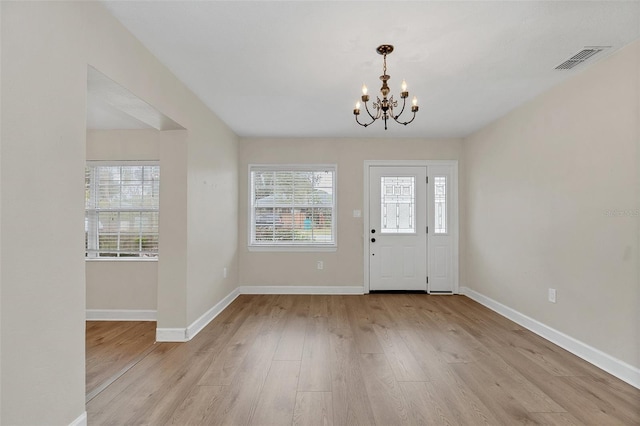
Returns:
<point x="373" y="240"/>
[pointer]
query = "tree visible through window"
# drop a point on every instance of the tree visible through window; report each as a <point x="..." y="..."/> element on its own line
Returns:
<point x="121" y="210"/>
<point x="292" y="205"/>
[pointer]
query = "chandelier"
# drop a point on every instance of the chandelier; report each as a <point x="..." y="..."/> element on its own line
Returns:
<point x="383" y="108"/>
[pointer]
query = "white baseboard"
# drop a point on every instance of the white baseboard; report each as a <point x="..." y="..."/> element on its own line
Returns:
<point x="625" y="372"/>
<point x="208" y="316"/>
<point x="186" y="334"/>
<point x="256" y="289"/>
<point x="120" y="315"/>
<point x="80" y="421"/>
<point x="171" y="335"/>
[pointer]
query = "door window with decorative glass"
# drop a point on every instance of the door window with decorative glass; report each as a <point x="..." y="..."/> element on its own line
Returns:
<point x="398" y="204"/>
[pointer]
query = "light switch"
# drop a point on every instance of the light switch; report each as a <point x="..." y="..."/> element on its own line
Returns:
<point x="357" y="213"/>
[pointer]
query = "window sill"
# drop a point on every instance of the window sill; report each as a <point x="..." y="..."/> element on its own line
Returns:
<point x="121" y="259"/>
<point x="294" y="248"/>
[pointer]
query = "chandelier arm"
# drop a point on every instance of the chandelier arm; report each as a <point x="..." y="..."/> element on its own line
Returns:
<point x="404" y="103"/>
<point x="364" y="124"/>
<point x="366" y="107"/>
<point x="407" y="122"/>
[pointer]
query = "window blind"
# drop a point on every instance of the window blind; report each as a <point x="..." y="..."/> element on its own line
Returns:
<point x="122" y="210"/>
<point x="292" y="205"/>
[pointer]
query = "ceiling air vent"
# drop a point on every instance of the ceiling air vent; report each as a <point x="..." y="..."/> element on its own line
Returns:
<point x="581" y="56"/>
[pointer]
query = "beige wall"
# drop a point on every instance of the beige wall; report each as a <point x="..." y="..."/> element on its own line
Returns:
<point x="126" y="284"/>
<point x="43" y="154"/>
<point x="345" y="267"/>
<point x="122" y="285"/>
<point x="540" y="183"/>
<point x="46" y="48"/>
<point x="212" y="219"/>
<point x="187" y="283"/>
<point x="118" y="145"/>
<point x="172" y="255"/>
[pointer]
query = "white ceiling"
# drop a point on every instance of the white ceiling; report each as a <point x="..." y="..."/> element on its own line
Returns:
<point x="294" y="69"/>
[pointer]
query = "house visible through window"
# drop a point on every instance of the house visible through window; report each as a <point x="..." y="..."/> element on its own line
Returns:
<point x="121" y="210"/>
<point x="293" y="206"/>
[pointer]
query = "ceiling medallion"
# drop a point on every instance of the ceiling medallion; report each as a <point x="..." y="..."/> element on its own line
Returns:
<point x="383" y="108"/>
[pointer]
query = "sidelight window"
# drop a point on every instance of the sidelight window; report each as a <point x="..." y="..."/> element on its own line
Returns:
<point x="440" y="204"/>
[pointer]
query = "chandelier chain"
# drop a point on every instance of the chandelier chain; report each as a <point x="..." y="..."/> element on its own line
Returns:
<point x="384" y="64"/>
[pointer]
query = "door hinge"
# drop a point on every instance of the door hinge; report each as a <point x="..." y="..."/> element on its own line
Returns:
<point x="427" y="280"/>
<point x="427" y="179"/>
<point x="427" y="229"/>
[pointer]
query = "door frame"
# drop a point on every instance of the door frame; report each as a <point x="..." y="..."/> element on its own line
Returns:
<point x="453" y="219"/>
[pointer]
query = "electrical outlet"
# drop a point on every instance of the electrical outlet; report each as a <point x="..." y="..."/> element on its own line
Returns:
<point x="552" y="295"/>
<point x="224" y="272"/>
<point x="320" y="264"/>
<point x="357" y="213"/>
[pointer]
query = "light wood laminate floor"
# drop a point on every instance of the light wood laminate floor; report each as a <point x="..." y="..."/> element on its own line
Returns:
<point x="112" y="348"/>
<point x="398" y="359"/>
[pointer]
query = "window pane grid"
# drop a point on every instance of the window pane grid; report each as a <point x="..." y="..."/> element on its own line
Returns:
<point x="397" y="204"/>
<point x="122" y="211"/>
<point x="292" y="207"/>
<point x="440" y="204"/>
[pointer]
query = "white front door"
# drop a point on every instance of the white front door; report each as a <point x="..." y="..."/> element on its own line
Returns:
<point x="397" y="231"/>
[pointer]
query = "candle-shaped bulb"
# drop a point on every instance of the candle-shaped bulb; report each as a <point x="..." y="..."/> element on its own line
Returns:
<point x="364" y="90"/>
<point x="404" y="86"/>
<point x="358" y="105"/>
<point x="415" y="101"/>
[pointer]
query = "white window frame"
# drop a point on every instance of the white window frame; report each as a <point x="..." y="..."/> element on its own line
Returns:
<point x="94" y="254"/>
<point x="292" y="246"/>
